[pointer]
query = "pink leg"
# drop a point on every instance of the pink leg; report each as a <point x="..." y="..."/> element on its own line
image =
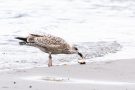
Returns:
<point x="50" y="60"/>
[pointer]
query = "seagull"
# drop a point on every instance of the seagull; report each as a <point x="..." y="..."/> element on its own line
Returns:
<point x="50" y="44"/>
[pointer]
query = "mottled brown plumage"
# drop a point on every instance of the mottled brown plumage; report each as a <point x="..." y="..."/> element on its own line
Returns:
<point x="50" y="44"/>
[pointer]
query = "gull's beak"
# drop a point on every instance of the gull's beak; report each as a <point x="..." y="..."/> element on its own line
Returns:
<point x="82" y="61"/>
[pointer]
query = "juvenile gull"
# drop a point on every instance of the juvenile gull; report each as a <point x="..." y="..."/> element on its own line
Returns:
<point x="50" y="44"/>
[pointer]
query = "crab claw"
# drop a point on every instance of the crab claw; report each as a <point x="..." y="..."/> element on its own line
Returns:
<point x="82" y="61"/>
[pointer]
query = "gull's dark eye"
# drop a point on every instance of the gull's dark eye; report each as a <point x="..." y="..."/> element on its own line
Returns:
<point x="75" y="48"/>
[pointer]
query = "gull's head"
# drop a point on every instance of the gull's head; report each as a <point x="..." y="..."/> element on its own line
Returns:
<point x="75" y="49"/>
<point x="81" y="61"/>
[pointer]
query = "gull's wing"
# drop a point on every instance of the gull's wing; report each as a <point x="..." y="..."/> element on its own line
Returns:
<point x="50" y="42"/>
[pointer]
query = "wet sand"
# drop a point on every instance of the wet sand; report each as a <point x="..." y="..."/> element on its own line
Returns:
<point x="109" y="75"/>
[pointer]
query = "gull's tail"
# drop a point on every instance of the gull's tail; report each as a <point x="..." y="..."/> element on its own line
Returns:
<point x="22" y="39"/>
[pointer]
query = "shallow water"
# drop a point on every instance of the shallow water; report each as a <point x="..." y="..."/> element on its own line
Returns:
<point x="75" y="81"/>
<point x="98" y="27"/>
<point x="14" y="56"/>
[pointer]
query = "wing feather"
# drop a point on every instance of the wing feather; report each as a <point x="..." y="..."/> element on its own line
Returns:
<point x="50" y="42"/>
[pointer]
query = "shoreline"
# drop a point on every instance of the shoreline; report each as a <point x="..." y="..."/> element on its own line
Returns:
<point x="110" y="75"/>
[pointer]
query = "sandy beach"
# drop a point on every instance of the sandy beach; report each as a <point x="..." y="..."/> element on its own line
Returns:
<point x="103" y="31"/>
<point x="110" y="75"/>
